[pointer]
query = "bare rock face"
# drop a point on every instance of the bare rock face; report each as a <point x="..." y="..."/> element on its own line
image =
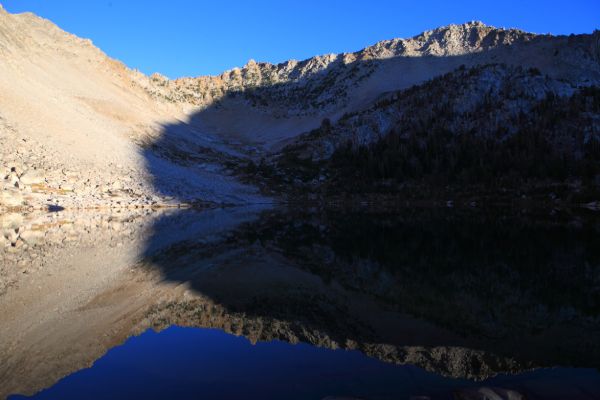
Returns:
<point x="451" y="40"/>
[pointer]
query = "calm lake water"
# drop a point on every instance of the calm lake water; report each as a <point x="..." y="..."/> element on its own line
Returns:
<point x="277" y="303"/>
<point x="191" y="363"/>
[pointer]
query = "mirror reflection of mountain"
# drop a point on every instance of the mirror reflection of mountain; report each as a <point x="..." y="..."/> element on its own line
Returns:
<point x="460" y="293"/>
<point x="71" y="288"/>
<point x="515" y="285"/>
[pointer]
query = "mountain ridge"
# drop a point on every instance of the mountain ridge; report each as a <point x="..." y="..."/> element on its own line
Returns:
<point x="443" y="41"/>
<point x="385" y="43"/>
<point x="82" y="129"/>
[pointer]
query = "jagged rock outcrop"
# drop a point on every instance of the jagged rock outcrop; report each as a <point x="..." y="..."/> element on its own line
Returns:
<point x="453" y="40"/>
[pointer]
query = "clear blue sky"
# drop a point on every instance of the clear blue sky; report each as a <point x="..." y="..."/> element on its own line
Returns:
<point x="195" y="37"/>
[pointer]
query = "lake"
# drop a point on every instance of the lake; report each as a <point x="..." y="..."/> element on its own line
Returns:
<point x="311" y="303"/>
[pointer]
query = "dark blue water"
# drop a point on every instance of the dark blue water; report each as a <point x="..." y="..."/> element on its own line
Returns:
<point x="196" y="363"/>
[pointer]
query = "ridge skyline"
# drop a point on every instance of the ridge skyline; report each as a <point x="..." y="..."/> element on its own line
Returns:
<point x="181" y="40"/>
<point x="295" y="61"/>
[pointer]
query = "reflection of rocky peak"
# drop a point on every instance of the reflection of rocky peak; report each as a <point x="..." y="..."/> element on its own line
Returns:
<point x="335" y="282"/>
<point x="439" y="274"/>
<point x="456" y="362"/>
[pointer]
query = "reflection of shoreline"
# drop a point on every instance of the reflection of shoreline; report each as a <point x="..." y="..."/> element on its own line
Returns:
<point x="72" y="288"/>
<point x="64" y="260"/>
<point x="29" y="241"/>
<point x="270" y="275"/>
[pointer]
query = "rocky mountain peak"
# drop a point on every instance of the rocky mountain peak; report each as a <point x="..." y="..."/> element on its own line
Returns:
<point x="466" y="38"/>
<point x="251" y="63"/>
<point x="449" y="40"/>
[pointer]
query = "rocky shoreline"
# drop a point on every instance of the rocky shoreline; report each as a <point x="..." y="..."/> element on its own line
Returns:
<point x="30" y="179"/>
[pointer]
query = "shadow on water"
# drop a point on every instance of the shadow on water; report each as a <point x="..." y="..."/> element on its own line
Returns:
<point x="463" y="293"/>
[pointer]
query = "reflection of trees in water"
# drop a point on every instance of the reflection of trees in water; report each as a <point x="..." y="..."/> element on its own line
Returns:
<point x="494" y="258"/>
<point x="521" y="286"/>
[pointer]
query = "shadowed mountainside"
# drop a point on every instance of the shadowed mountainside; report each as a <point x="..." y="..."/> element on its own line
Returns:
<point x="494" y="130"/>
<point x="527" y="124"/>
